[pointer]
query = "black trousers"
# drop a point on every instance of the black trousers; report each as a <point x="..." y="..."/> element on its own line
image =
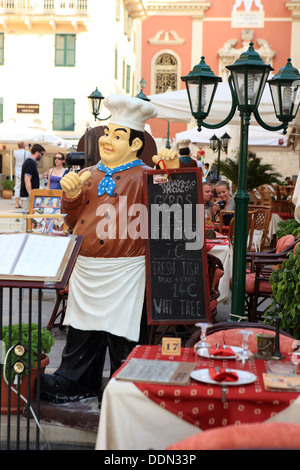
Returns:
<point x="84" y="354"/>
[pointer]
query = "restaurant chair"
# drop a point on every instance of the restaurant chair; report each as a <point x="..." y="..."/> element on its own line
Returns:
<point x="61" y="297"/>
<point x="260" y="228"/>
<point x="252" y="436"/>
<point x="284" y="208"/>
<point x="260" y="266"/>
<point x="230" y="228"/>
<point x="228" y="333"/>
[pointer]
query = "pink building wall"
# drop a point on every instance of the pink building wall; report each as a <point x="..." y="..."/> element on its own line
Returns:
<point x="276" y="31"/>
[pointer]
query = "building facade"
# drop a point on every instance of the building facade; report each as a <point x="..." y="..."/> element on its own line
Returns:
<point x="177" y="33"/>
<point x="53" y="54"/>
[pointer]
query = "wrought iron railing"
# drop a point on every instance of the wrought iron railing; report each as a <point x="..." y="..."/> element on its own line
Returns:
<point x="19" y="418"/>
<point x="42" y="7"/>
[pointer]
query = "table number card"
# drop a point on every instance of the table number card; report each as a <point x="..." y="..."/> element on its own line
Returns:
<point x="171" y="347"/>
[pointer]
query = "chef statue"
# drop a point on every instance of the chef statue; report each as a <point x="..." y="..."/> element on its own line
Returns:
<point x="107" y="285"/>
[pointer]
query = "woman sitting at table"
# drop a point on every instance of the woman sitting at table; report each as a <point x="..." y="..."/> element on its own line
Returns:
<point x="223" y="193"/>
<point x="55" y="174"/>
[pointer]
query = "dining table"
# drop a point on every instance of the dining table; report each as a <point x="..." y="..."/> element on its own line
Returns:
<point x="138" y="415"/>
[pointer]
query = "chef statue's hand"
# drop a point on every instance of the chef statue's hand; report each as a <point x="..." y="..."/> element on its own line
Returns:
<point x="71" y="183"/>
<point x="168" y="157"/>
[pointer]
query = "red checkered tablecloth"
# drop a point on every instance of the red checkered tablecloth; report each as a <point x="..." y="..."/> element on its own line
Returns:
<point x="201" y="405"/>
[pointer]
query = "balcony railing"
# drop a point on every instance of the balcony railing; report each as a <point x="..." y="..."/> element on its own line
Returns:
<point x="44" y="7"/>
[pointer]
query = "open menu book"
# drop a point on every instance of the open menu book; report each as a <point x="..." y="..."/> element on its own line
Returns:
<point x="159" y="372"/>
<point x="34" y="256"/>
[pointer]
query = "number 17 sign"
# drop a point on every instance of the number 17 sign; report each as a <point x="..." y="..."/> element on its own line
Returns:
<point x="171" y="346"/>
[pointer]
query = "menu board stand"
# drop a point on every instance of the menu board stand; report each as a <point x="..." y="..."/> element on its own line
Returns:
<point x="176" y="258"/>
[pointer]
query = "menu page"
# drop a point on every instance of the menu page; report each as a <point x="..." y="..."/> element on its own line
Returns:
<point x="33" y="255"/>
<point x="10" y="247"/>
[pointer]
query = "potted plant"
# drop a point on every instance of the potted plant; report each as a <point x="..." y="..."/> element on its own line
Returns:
<point x="285" y="282"/>
<point x="288" y="227"/>
<point x="8" y="187"/>
<point x="27" y="336"/>
<point x="258" y="173"/>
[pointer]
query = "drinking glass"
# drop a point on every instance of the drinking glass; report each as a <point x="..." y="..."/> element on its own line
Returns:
<point x="245" y="354"/>
<point x="203" y="343"/>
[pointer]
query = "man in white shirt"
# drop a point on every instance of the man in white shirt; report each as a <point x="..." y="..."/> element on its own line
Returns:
<point x="20" y="156"/>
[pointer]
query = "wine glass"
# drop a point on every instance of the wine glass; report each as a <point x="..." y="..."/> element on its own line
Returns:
<point x="245" y="354"/>
<point x="203" y="343"/>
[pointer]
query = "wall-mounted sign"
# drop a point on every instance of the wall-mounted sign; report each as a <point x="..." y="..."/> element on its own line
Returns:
<point x="28" y="108"/>
<point x="247" y="18"/>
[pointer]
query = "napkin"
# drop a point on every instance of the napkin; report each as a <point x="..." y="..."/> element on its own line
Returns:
<point x="223" y="375"/>
<point x="221" y="351"/>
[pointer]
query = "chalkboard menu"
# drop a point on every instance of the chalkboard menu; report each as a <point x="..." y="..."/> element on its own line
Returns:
<point x="176" y="259"/>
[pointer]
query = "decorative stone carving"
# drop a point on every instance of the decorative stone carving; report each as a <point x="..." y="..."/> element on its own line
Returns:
<point x="166" y="38"/>
<point x="228" y="54"/>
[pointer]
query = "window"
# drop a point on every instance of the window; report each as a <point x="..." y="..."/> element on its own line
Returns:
<point x="116" y="63"/>
<point x="63" y="114"/>
<point x="82" y="5"/>
<point x="1" y="48"/>
<point x="65" y="50"/>
<point x="118" y="10"/>
<point x="128" y="77"/>
<point x="166" y="73"/>
<point x="126" y="16"/>
<point x="48" y="4"/>
<point x="1" y="109"/>
<point x="123" y="74"/>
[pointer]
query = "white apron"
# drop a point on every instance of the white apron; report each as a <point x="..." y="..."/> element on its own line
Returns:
<point x="107" y="294"/>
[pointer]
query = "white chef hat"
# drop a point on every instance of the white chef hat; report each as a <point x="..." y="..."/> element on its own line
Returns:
<point x="129" y="112"/>
<point x="183" y="144"/>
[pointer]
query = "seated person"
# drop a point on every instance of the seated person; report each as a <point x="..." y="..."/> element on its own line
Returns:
<point x="208" y="195"/>
<point x="223" y="194"/>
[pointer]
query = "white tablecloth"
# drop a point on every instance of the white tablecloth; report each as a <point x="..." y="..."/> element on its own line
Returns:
<point x="225" y="255"/>
<point x="130" y="421"/>
<point x="273" y="227"/>
<point x="296" y="199"/>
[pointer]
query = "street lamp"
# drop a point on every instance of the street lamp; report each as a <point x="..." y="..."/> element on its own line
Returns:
<point x="217" y="145"/>
<point x="141" y="94"/>
<point x="247" y="80"/>
<point x="96" y="103"/>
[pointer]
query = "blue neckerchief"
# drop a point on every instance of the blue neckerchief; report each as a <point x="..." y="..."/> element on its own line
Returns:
<point x="185" y="160"/>
<point x="107" y="185"/>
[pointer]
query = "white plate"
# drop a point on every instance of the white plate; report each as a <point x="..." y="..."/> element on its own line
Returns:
<point x="203" y="352"/>
<point x="244" y="377"/>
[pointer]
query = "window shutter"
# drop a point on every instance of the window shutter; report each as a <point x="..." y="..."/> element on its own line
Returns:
<point x="69" y="114"/>
<point x="63" y="114"/>
<point x="59" y="49"/>
<point x="1" y="48"/>
<point x="70" y="50"/>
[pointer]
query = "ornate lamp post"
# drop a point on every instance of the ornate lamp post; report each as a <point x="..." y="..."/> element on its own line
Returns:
<point x="96" y="103"/>
<point x="247" y="80"/>
<point x="141" y="94"/>
<point x="217" y="145"/>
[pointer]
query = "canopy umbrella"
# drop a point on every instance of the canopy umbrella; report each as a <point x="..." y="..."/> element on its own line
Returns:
<point x="174" y="106"/>
<point x="257" y="136"/>
<point x="12" y="132"/>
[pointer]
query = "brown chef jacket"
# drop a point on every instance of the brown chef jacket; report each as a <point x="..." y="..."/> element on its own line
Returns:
<point x="82" y="217"/>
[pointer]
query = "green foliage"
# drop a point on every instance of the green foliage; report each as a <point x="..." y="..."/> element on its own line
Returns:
<point x="285" y="282"/>
<point x="29" y="337"/>
<point x="8" y="184"/>
<point x="257" y="173"/>
<point x="288" y="227"/>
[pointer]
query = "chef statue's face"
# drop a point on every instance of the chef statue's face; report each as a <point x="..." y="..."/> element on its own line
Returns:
<point x="115" y="148"/>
